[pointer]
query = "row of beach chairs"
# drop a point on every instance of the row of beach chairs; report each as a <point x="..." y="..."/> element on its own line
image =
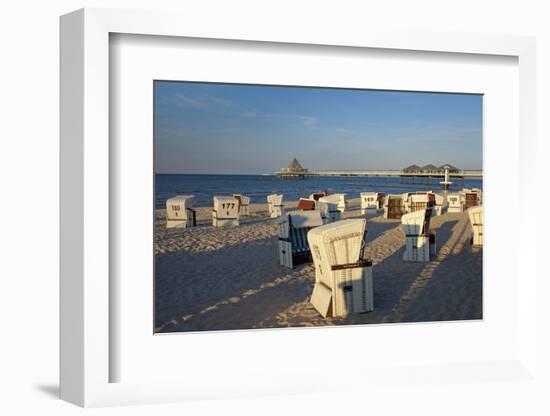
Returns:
<point x="295" y="226"/>
<point x="466" y="199"/>
<point x="227" y="211"/>
<point x="343" y="278"/>
<point x="395" y="206"/>
<point x="330" y="207"/>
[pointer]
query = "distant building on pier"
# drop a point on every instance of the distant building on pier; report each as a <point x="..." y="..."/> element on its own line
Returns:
<point x="451" y="168"/>
<point x="430" y="170"/>
<point x="293" y="171"/>
<point x="427" y="172"/>
<point x="412" y="169"/>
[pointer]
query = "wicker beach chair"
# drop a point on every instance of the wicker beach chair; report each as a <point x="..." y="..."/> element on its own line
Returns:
<point x="293" y="230"/>
<point x="406" y="197"/>
<point x="244" y="204"/>
<point x="456" y="202"/>
<point x="394" y="206"/>
<point x="316" y="195"/>
<point x="306" y="204"/>
<point x="338" y="199"/>
<point x="439" y="204"/>
<point x="225" y="212"/>
<point x="419" y="241"/>
<point x="370" y="204"/>
<point x="475" y="214"/>
<point x="479" y="195"/>
<point x="180" y="212"/>
<point x="275" y="205"/>
<point x="420" y="202"/>
<point x="380" y="201"/>
<point x="329" y="210"/>
<point x="343" y="279"/>
<point x="471" y="199"/>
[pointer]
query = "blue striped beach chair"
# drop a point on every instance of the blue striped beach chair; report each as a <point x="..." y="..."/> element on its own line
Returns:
<point x="293" y="243"/>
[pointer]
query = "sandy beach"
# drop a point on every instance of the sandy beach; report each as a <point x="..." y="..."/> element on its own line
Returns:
<point x="229" y="278"/>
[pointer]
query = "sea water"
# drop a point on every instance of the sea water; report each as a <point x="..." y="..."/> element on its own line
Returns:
<point x="257" y="187"/>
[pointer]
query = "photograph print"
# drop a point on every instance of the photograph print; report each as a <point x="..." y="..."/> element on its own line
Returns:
<point x="289" y="206"/>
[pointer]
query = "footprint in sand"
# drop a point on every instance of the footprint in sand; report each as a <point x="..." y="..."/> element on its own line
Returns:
<point x="210" y="308"/>
<point x="250" y="292"/>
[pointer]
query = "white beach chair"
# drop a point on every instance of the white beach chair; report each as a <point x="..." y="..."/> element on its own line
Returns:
<point x="456" y="202"/>
<point x="421" y="201"/>
<point x="306" y="204"/>
<point x="475" y="215"/>
<point x="179" y="212"/>
<point x="343" y="280"/>
<point x="316" y="195"/>
<point x="440" y="204"/>
<point x="275" y="205"/>
<point x="293" y="229"/>
<point x="338" y="199"/>
<point x="471" y="198"/>
<point x="329" y="210"/>
<point x="419" y="242"/>
<point x="394" y="206"/>
<point x="479" y="195"/>
<point x="371" y="202"/>
<point x="244" y="204"/>
<point x="380" y="201"/>
<point x="406" y="197"/>
<point x="225" y="212"/>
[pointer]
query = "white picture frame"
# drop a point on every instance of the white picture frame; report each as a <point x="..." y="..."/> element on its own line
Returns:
<point x="86" y="355"/>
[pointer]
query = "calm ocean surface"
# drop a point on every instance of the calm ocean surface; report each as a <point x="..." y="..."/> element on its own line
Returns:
<point x="257" y="187"/>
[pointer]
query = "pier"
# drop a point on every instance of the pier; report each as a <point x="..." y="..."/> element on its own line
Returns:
<point x="465" y="173"/>
<point x="410" y="174"/>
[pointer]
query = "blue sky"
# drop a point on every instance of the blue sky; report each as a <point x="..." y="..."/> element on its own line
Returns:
<point x="250" y="129"/>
